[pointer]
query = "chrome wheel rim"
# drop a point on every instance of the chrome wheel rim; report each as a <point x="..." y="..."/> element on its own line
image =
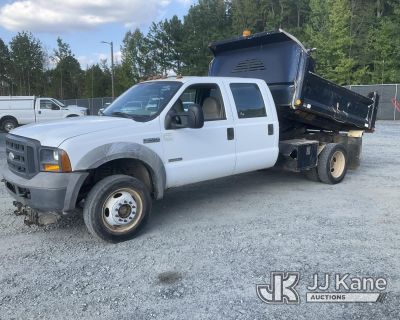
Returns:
<point x="122" y="210"/>
<point x="337" y="164"/>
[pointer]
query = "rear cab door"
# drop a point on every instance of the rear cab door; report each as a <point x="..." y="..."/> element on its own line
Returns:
<point x="256" y="124"/>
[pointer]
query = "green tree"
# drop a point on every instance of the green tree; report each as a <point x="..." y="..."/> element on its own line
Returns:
<point x="67" y="76"/>
<point x="329" y="32"/>
<point x="176" y="38"/>
<point x="96" y="82"/>
<point x="137" y="60"/>
<point x="5" y="66"/>
<point x="122" y="80"/>
<point x="27" y="58"/>
<point x="383" y="46"/>
<point x="205" y="22"/>
<point x="250" y="14"/>
<point x="159" y="46"/>
<point x="267" y="15"/>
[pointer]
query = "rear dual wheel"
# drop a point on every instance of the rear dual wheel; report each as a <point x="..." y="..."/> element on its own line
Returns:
<point x="332" y="165"/>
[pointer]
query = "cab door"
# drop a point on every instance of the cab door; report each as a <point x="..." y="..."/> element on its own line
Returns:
<point x="193" y="155"/>
<point x="256" y="126"/>
<point x="47" y="110"/>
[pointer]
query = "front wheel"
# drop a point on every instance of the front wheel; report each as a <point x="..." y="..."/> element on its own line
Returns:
<point x="332" y="163"/>
<point x="117" y="208"/>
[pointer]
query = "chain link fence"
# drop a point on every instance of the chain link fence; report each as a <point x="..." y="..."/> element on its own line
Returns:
<point x="92" y="104"/>
<point x="389" y="101"/>
<point x="389" y="105"/>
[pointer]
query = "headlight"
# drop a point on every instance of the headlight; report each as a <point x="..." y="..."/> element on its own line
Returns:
<point x="54" y="160"/>
<point x="83" y="112"/>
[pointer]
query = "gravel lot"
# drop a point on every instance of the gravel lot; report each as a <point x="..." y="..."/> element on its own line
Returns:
<point x="208" y="245"/>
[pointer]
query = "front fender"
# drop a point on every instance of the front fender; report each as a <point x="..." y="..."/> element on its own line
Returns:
<point x="124" y="150"/>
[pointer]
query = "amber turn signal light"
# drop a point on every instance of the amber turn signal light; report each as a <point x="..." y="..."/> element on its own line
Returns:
<point x="246" y="33"/>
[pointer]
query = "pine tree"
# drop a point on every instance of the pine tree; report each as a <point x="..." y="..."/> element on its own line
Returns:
<point x="137" y="63"/>
<point x="67" y="76"/>
<point x="205" y="22"/>
<point x="5" y="66"/>
<point x="27" y="61"/>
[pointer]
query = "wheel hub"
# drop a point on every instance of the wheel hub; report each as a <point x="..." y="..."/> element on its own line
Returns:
<point x="124" y="211"/>
<point x="337" y="164"/>
<point x="120" y="209"/>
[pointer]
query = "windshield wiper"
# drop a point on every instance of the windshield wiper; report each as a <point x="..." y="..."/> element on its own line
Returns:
<point x="121" y="114"/>
<point x="136" y="117"/>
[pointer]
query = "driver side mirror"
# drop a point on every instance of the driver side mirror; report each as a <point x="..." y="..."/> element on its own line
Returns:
<point x="193" y="118"/>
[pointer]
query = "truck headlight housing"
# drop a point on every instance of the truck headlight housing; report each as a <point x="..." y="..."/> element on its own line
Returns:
<point x="54" y="160"/>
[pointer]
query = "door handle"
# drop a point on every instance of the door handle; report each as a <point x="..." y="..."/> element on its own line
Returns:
<point x="39" y="112"/>
<point x="230" y="133"/>
<point x="270" y="129"/>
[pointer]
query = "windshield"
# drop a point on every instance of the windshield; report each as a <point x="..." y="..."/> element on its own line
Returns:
<point x="143" y="101"/>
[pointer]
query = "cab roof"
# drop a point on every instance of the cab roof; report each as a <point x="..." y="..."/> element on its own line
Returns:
<point x="202" y="79"/>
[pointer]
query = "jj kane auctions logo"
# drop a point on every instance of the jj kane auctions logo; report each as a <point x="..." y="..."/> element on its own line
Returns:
<point x="336" y="288"/>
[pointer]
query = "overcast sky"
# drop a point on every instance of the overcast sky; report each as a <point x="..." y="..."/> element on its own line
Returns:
<point x="84" y="23"/>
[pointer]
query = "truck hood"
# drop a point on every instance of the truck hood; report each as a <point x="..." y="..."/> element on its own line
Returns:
<point x="53" y="133"/>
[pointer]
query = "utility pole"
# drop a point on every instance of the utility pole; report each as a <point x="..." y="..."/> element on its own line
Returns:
<point x="112" y="66"/>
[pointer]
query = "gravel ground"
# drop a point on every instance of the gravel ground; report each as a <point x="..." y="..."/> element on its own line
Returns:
<point x="208" y="245"/>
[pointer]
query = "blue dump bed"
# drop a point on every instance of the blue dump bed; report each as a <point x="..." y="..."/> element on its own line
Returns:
<point x="303" y="99"/>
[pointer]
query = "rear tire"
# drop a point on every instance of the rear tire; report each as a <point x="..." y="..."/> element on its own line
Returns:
<point x="117" y="208"/>
<point x="8" y="124"/>
<point x="332" y="163"/>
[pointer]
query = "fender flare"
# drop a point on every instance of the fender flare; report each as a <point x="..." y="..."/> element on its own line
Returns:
<point x="125" y="150"/>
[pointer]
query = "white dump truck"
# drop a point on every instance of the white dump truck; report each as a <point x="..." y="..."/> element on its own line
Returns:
<point x="166" y="133"/>
<point x="20" y="110"/>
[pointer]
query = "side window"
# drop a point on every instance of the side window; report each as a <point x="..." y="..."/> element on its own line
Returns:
<point x="49" y="105"/>
<point x="248" y="99"/>
<point x="55" y="106"/>
<point x="45" y="104"/>
<point x="188" y="98"/>
<point x="208" y="96"/>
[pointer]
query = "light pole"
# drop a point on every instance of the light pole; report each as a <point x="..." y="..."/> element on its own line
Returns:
<point x="112" y="66"/>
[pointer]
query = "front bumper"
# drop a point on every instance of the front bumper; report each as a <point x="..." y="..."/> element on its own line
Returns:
<point x="46" y="191"/>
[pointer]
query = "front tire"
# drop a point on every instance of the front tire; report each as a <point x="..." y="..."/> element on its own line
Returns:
<point x="117" y="208"/>
<point x="332" y="163"/>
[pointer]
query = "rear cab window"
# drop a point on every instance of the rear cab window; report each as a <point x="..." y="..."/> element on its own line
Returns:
<point x="248" y="100"/>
